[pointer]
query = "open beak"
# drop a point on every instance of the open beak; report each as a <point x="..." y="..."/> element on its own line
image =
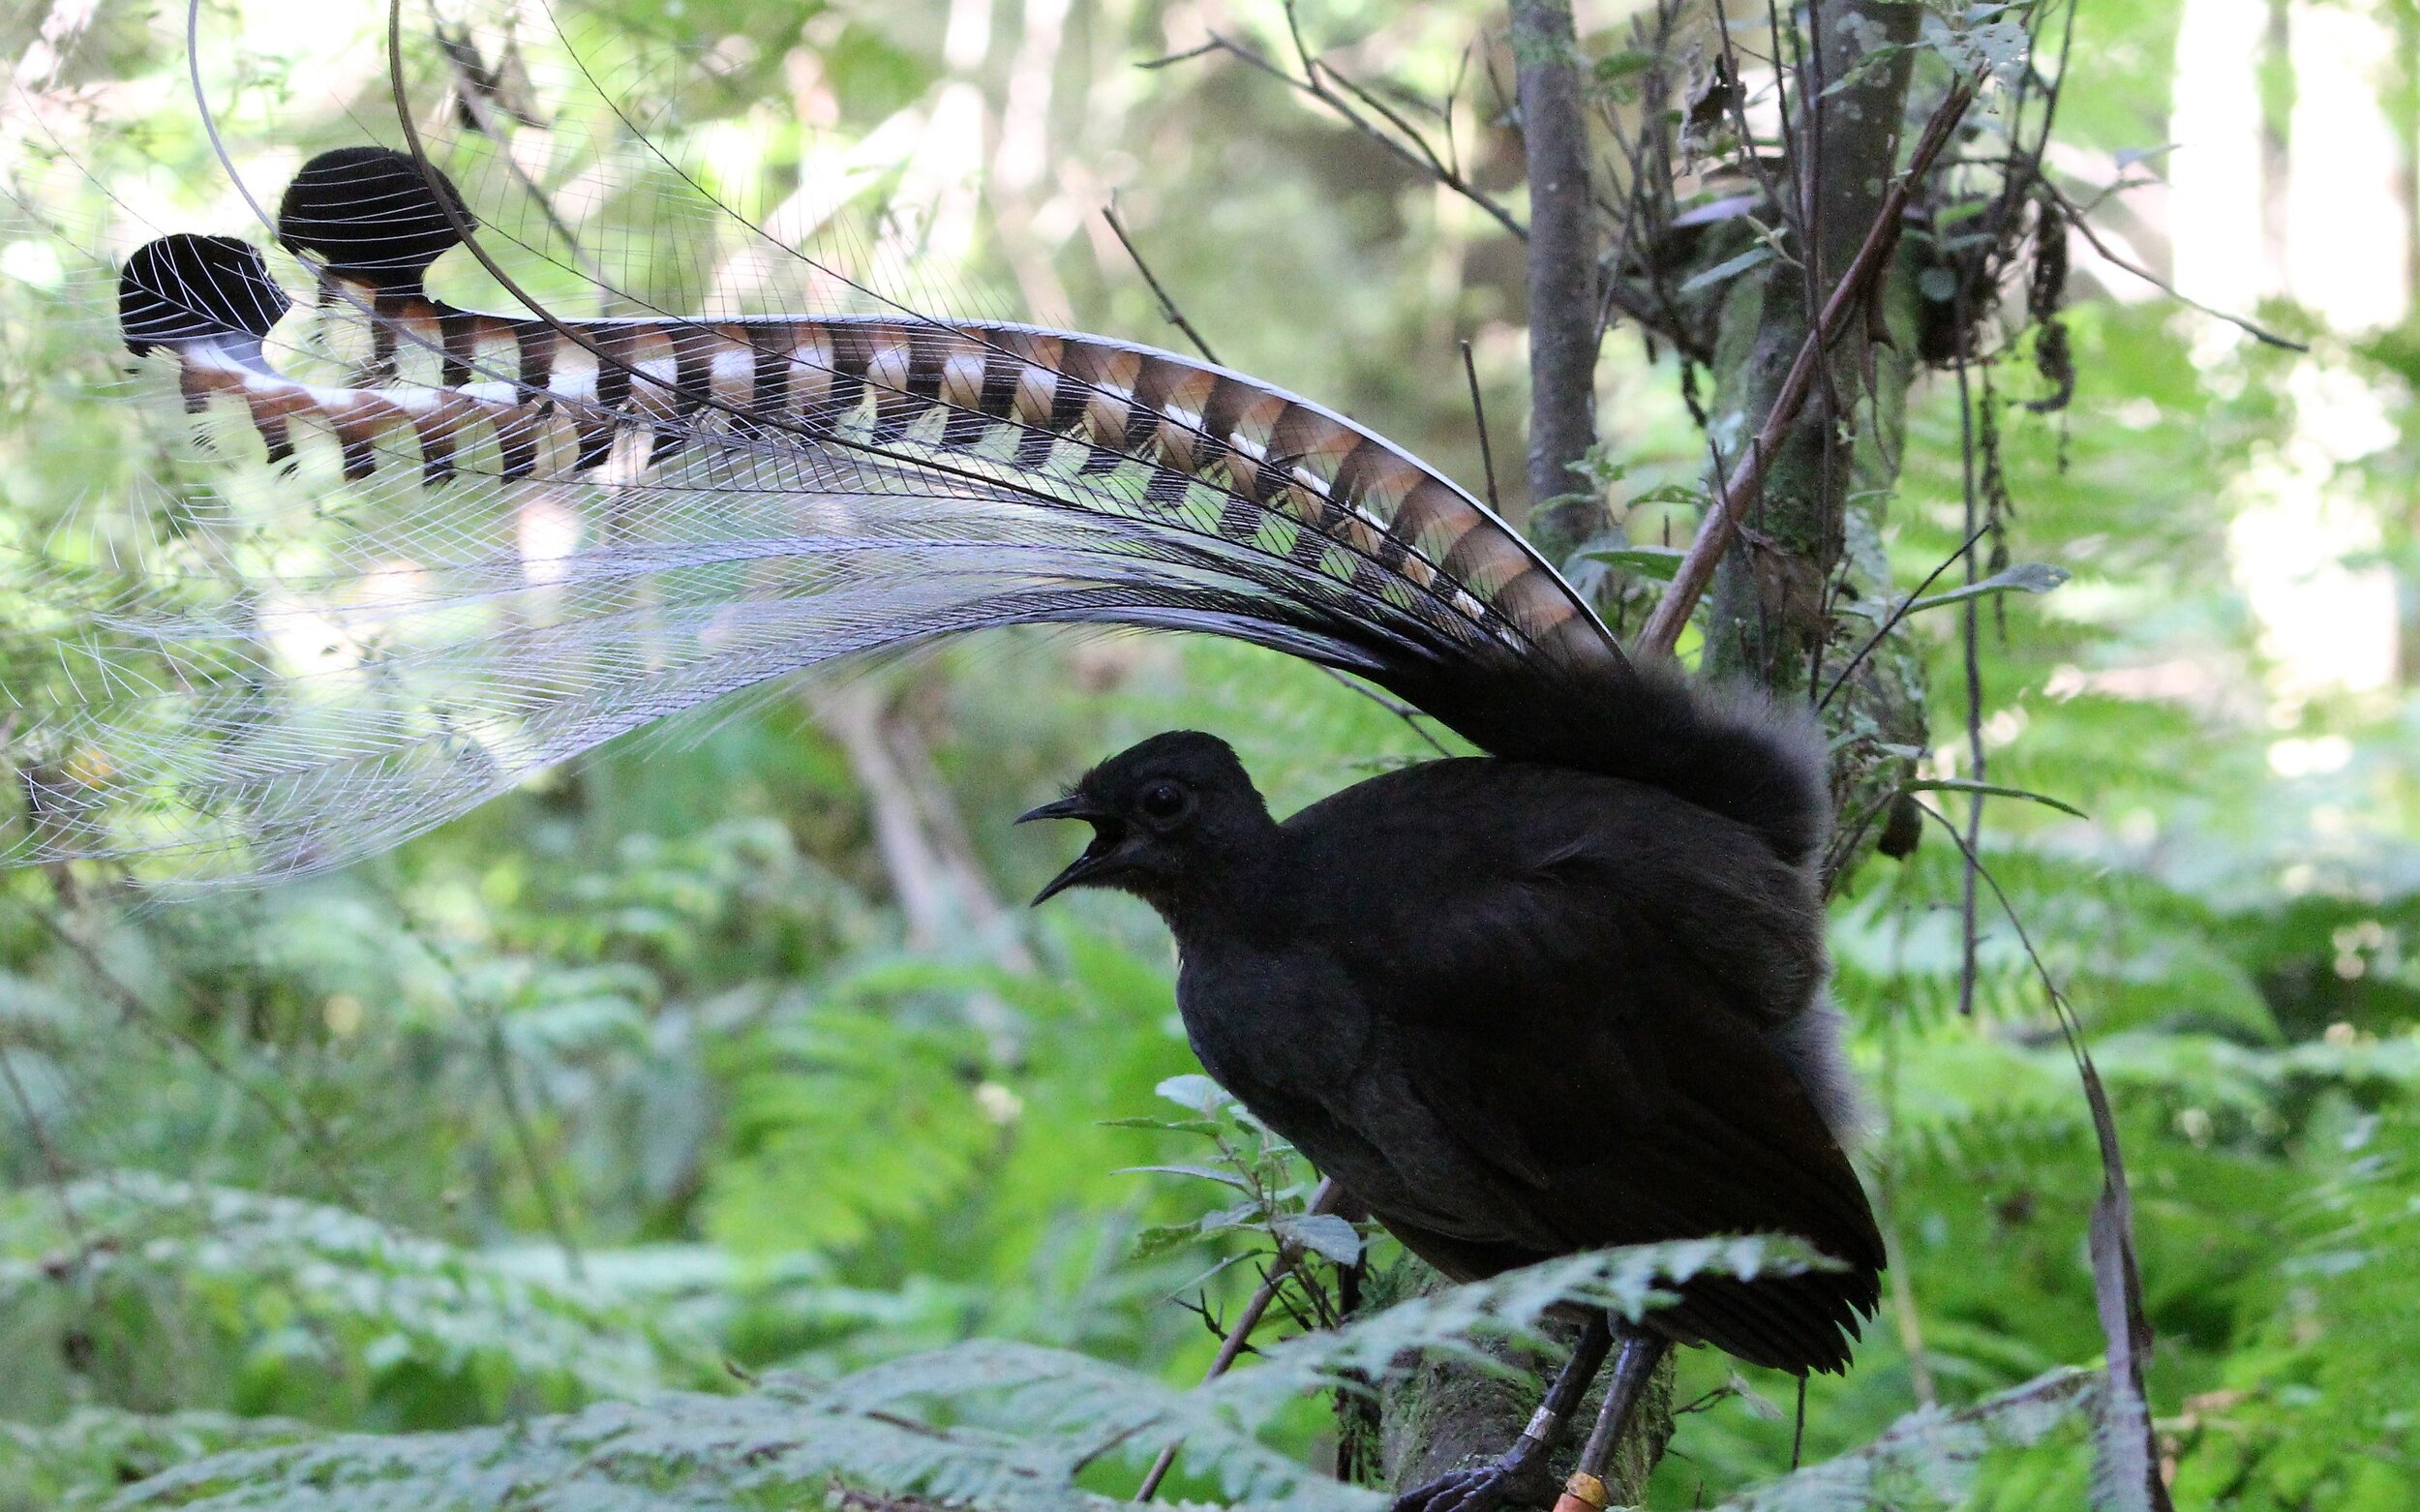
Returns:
<point x="1105" y="835"/>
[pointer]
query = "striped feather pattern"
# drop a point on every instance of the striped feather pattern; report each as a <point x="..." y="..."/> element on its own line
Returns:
<point x="1013" y="406"/>
<point x="496" y="541"/>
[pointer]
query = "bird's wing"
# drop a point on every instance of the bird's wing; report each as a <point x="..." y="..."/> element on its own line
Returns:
<point x="486" y="542"/>
<point x="1592" y="1082"/>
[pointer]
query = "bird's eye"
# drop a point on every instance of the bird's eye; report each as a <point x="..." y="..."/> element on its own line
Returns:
<point x="1164" y="800"/>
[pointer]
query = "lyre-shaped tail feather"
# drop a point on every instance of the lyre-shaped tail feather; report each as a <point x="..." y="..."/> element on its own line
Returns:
<point x="730" y="501"/>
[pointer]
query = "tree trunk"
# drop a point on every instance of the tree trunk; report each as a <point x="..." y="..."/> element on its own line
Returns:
<point x="1561" y="276"/>
<point x="1813" y="542"/>
<point x="1814" y="539"/>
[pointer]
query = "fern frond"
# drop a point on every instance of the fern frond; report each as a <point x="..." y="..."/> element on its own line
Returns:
<point x="994" y="1426"/>
<point x="1926" y="1461"/>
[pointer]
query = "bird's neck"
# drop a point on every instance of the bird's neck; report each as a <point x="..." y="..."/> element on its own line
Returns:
<point x="1237" y="893"/>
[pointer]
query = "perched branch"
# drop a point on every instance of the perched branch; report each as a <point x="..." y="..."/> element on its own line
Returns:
<point x="1746" y="484"/>
<point x="1324" y="1198"/>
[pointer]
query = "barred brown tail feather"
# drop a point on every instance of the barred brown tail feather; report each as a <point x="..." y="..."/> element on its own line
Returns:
<point x="1107" y="482"/>
<point x="534" y="532"/>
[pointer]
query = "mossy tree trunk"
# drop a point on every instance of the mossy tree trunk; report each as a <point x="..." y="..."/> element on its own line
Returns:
<point x="1813" y="542"/>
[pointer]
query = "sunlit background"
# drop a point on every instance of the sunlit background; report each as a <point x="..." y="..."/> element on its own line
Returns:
<point x="736" y="1048"/>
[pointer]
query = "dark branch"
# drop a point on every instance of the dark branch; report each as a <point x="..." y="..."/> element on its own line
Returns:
<point x="1167" y="305"/>
<point x="1745" y="485"/>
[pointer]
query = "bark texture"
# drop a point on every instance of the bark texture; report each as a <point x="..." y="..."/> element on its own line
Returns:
<point x="1561" y="276"/>
<point x="1810" y="553"/>
<point x="1814" y="542"/>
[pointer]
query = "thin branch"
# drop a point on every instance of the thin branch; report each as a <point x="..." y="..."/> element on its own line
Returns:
<point x="2124" y="1327"/>
<point x="2083" y="227"/>
<point x="1478" y="417"/>
<point x="1409" y="716"/>
<point x="1745" y="487"/>
<point x="475" y="100"/>
<point x="1738" y="102"/>
<point x="1970" y="638"/>
<point x="1167" y="304"/>
<point x="1418" y="154"/>
<point x="53" y="1165"/>
<point x="1896" y="614"/>
<point x="497" y="1055"/>
<point x="1288" y="1256"/>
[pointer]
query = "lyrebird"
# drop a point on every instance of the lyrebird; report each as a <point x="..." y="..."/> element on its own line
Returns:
<point x="1562" y="995"/>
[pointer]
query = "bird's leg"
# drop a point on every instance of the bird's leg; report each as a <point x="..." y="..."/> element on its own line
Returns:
<point x="1483" y="1488"/>
<point x="1641" y="1352"/>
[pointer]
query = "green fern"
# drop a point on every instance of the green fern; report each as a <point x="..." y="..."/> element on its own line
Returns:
<point x="986" y="1424"/>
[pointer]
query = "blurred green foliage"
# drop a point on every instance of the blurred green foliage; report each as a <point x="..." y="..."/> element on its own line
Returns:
<point x="643" y="1079"/>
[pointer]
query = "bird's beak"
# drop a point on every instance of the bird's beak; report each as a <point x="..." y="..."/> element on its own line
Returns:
<point x="1076" y="806"/>
<point x="1105" y="835"/>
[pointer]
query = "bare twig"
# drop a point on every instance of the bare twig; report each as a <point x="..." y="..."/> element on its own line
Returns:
<point x="1896" y="614"/>
<point x="53" y="1165"/>
<point x="1645" y="212"/>
<point x="1478" y="417"/>
<point x="1288" y="1256"/>
<point x="311" y="1140"/>
<point x="1167" y="304"/>
<point x="2083" y="227"/>
<point x="1409" y="716"/>
<point x="1969" y="638"/>
<point x="2125" y="1328"/>
<point x="1411" y="147"/>
<point x="1745" y="486"/>
<point x="482" y="108"/>
<point x="497" y="1055"/>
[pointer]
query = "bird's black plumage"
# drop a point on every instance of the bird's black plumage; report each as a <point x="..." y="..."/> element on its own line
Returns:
<point x="1565" y="995"/>
<point x="1522" y="1006"/>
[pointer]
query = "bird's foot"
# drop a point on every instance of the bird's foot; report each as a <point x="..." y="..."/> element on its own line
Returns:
<point x="1483" y="1488"/>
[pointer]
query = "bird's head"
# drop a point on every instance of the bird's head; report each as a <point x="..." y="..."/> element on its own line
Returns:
<point x="1162" y="812"/>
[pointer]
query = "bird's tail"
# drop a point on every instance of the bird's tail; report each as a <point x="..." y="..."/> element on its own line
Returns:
<point x="477" y="544"/>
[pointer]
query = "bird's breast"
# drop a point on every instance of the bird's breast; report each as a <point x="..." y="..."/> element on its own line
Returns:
<point x="1274" y="1026"/>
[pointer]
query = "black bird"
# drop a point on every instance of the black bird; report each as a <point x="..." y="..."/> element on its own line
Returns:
<point x="1522" y="1008"/>
<point x="1564" y="995"/>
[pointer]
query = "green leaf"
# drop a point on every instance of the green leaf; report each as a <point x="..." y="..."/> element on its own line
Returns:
<point x="1659" y="562"/>
<point x="1194" y="1091"/>
<point x="1963" y="785"/>
<point x="1321" y="1233"/>
<point x="1158" y="1239"/>
<point x="1206" y="1173"/>
<point x="1191" y="1125"/>
<point x="1624" y="64"/>
<point x="2026" y="577"/>
<point x="1671" y="494"/>
<point x="1728" y="268"/>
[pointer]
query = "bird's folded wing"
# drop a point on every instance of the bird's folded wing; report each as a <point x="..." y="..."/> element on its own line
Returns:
<point x="1595" y="1084"/>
